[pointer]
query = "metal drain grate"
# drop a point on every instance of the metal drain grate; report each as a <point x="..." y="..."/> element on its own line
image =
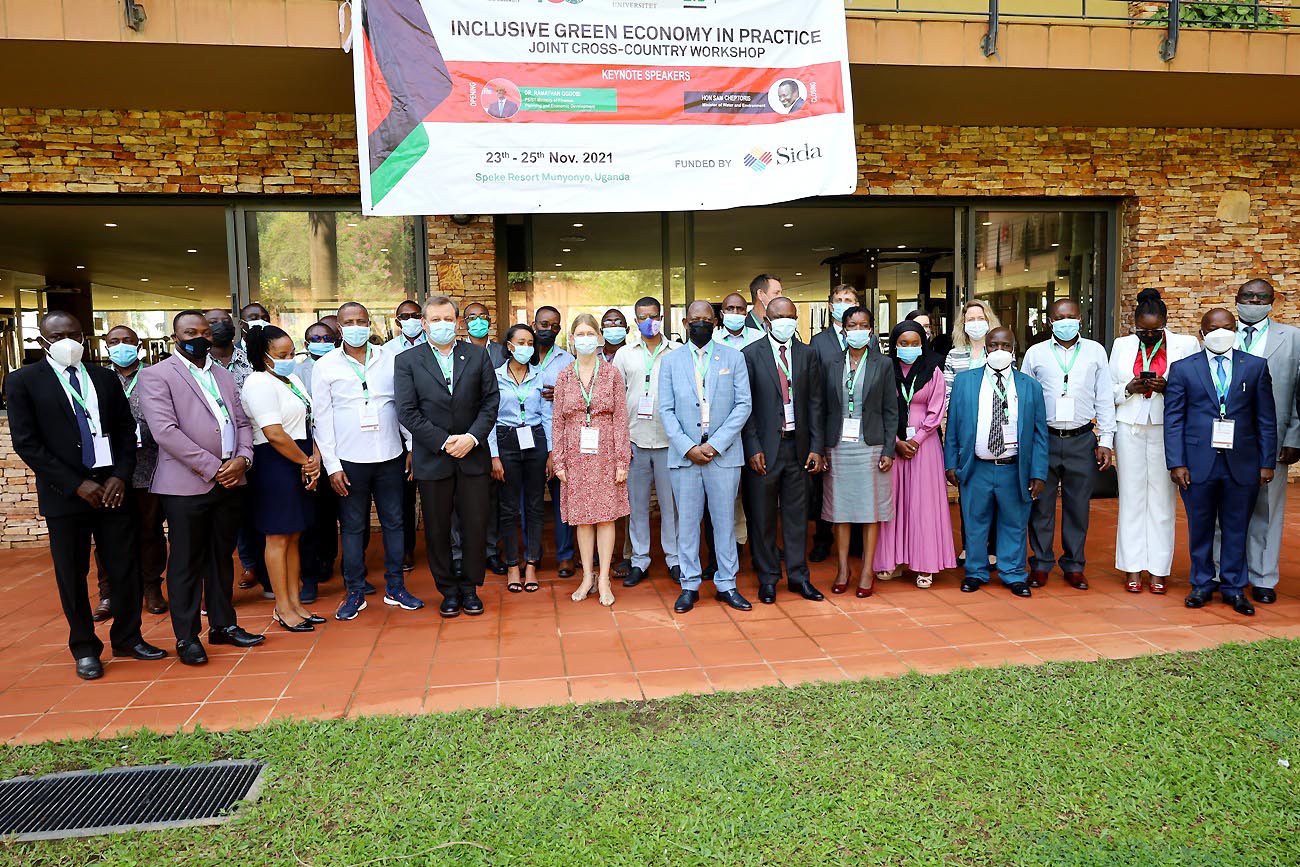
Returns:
<point x="86" y="803"/>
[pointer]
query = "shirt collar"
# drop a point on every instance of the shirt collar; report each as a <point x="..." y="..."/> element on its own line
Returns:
<point x="450" y="349"/>
<point x="1227" y="356"/>
<point x="207" y="362"/>
<point x="58" y="368"/>
<point x="1260" y="325"/>
<point x="503" y="372"/>
<point x="776" y="344"/>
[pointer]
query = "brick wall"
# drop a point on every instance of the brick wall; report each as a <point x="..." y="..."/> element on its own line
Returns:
<point x="20" y="525"/>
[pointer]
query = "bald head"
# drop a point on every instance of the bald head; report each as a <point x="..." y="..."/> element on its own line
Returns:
<point x="781" y="307"/>
<point x="1001" y="337"/>
<point x="1217" y="318"/>
<point x="699" y="310"/>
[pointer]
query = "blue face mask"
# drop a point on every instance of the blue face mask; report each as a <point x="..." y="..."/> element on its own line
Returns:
<point x="838" y="309"/>
<point x="857" y="338"/>
<point x="356" y="335"/>
<point x="585" y="344"/>
<point x="784" y="329"/>
<point x="614" y="334"/>
<point x="1065" y="329"/>
<point x="124" y="354"/>
<point x="442" y="332"/>
<point x="909" y="354"/>
<point x="412" y="328"/>
<point x="522" y="354"/>
<point x="319" y="349"/>
<point x="733" y="321"/>
<point x="478" y="328"/>
<point x="284" y="366"/>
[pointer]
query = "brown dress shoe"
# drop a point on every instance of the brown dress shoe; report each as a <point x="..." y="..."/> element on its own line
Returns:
<point x="1076" y="580"/>
<point x="246" y="580"/>
<point x="1037" y="578"/>
<point x="154" y="602"/>
<point x="102" y="612"/>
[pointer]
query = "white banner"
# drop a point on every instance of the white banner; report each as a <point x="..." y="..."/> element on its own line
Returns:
<point x="515" y="106"/>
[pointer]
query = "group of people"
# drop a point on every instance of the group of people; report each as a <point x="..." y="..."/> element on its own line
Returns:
<point x="743" y="433"/>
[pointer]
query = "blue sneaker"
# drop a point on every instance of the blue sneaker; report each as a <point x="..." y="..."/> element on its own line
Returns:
<point x="403" y="599"/>
<point x="368" y="588"/>
<point x="308" y="594"/>
<point x="353" y="604"/>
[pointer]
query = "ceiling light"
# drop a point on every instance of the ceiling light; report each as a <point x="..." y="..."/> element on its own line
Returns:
<point x="789" y="225"/>
<point x="702" y="264"/>
<point x="577" y="225"/>
<point x="738" y="249"/>
<point x="144" y="279"/>
<point x="189" y="288"/>
<point x="191" y="251"/>
<point x="352" y="225"/>
<point x="913" y="272"/>
<point x="114" y="296"/>
<point x="1026" y="268"/>
<point x="987" y="223"/>
<point x="81" y="267"/>
<point x="559" y="264"/>
<point x="1056" y="245"/>
<point x="552" y="277"/>
<point x="823" y="248"/>
<point x="566" y="250"/>
<point x="111" y="226"/>
<point x="798" y="273"/>
<point x="902" y="246"/>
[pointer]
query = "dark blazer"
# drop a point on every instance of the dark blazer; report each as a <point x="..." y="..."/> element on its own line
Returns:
<point x="46" y="436"/>
<point x="1192" y="406"/>
<point x="879" y="403"/>
<point x="828" y="346"/>
<point x="963" y="418"/>
<point x="431" y="413"/>
<point x="762" y="432"/>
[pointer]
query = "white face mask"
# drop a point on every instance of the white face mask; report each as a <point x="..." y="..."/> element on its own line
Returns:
<point x="1220" y="340"/>
<point x="999" y="359"/>
<point x="976" y="329"/>
<point x="67" y="352"/>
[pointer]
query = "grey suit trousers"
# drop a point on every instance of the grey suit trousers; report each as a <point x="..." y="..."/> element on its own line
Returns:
<point x="1071" y="467"/>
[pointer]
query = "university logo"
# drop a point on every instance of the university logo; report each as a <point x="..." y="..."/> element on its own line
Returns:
<point x="758" y="159"/>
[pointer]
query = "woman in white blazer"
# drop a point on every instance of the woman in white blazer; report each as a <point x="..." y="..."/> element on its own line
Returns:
<point x="1139" y="363"/>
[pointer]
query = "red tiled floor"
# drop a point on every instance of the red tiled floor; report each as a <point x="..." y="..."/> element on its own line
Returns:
<point x="541" y="648"/>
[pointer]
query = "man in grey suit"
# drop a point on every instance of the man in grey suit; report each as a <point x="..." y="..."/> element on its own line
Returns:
<point x="1265" y="338"/>
<point x="704" y="403"/>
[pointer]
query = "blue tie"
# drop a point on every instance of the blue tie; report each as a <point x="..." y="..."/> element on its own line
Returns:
<point x="87" y="439"/>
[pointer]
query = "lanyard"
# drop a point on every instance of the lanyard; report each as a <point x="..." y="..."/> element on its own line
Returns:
<point x="853" y="377"/>
<point x="974" y="362"/>
<point x="306" y="401"/>
<point x="786" y="370"/>
<point x="1066" y="368"/>
<point x="1147" y="359"/>
<point x="586" y="395"/>
<point x="1221" y="383"/>
<point x="907" y="394"/>
<point x="546" y="358"/>
<point x="445" y="366"/>
<point x="1259" y="335"/>
<point x="91" y="421"/>
<point x="650" y="361"/>
<point x="208" y="384"/>
<point x="130" y="386"/>
<point x="999" y="390"/>
<point x="360" y="371"/>
<point x="522" y="396"/>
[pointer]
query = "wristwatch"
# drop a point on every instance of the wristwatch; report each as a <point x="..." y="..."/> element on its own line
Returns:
<point x="248" y="462"/>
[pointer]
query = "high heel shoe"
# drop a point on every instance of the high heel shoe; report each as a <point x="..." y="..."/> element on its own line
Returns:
<point x="531" y="586"/>
<point x="315" y="619"/>
<point x="305" y="626"/>
<point x="584" y="590"/>
<point x="606" y="594"/>
<point x="1134" y="585"/>
<point x="1158" y="585"/>
<point x="864" y="592"/>
<point x="838" y="588"/>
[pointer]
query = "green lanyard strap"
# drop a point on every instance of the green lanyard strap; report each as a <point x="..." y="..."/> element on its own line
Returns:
<point x="852" y="377"/>
<point x="1259" y="335"/>
<point x="208" y="383"/>
<point x="130" y="386"/>
<point x="306" y="401"/>
<point x="586" y="395"/>
<point x="91" y="421"/>
<point x="446" y="366"/>
<point x="521" y="396"/>
<point x="650" y="360"/>
<point x="1066" y="368"/>
<point x="1147" y="359"/>
<point x="1000" y="391"/>
<point x="360" y="371"/>
<point x="789" y="378"/>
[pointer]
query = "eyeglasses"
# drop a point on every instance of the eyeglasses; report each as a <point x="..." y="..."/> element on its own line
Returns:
<point x="320" y="338"/>
<point x="402" y="317"/>
<point x="477" y="316"/>
<point x="642" y="317"/>
<point x="1153" y="333"/>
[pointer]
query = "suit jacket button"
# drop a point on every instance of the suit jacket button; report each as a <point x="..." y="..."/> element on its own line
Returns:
<point x="697" y="424"/>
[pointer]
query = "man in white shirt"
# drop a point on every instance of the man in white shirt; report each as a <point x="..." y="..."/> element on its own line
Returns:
<point x="362" y="452"/>
<point x="639" y="365"/>
<point x="1078" y="391"/>
<point x="735" y="331"/>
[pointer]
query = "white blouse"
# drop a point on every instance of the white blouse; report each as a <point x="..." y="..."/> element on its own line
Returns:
<point x="268" y="400"/>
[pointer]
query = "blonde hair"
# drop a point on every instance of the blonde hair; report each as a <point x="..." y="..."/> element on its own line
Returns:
<point x="959" y="339"/>
<point x="584" y="319"/>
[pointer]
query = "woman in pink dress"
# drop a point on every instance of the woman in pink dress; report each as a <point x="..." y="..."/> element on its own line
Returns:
<point x="591" y="452"/>
<point x="920" y="535"/>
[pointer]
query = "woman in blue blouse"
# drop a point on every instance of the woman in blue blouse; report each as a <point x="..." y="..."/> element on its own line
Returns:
<point x="519" y="451"/>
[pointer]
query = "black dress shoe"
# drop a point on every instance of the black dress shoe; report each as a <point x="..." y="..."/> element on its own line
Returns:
<point x="1020" y="588"/>
<point x="767" y="594"/>
<point x="141" y="650"/>
<point x="470" y="603"/>
<point x="1264" y="595"/>
<point x="191" y="652"/>
<point x="496" y="566"/>
<point x="1241" y="605"/>
<point x="635" y="576"/>
<point x="1197" y="599"/>
<point x="686" y="601"/>
<point x="90" y="668"/>
<point x="450" y="606"/>
<point x="234" y="635"/>
<point x="819" y="552"/>
<point x="807" y="591"/>
<point x="970" y="585"/>
<point x="735" y="600"/>
<point x="676" y="574"/>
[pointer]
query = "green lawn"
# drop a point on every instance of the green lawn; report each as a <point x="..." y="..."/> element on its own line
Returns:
<point x="1163" y="760"/>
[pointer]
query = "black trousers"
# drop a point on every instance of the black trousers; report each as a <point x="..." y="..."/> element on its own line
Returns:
<point x="150" y="541"/>
<point x="526" y="481"/>
<point x="408" y="519"/>
<point x="782" y="492"/>
<point x="465" y="496"/>
<point x="318" y="546"/>
<point x="114" y="533"/>
<point x="201" y="569"/>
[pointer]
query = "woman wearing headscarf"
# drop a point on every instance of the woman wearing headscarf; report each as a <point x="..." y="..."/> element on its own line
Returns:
<point x="920" y="534"/>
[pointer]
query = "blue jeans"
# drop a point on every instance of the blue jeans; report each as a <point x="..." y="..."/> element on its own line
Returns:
<point x="383" y="482"/>
<point x="563" y="532"/>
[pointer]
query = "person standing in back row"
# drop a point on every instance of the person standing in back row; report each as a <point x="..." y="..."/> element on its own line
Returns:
<point x="550" y="360"/>
<point x="1077" y="390"/>
<point x="410" y="324"/>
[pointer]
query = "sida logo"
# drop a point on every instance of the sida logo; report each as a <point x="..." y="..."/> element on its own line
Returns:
<point x="758" y="159"/>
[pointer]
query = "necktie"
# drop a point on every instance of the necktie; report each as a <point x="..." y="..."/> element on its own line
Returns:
<point x="1222" y="383"/>
<point x="1250" y="337"/>
<point x="87" y="439"/>
<point x="996" y="444"/>
<point x="780" y="373"/>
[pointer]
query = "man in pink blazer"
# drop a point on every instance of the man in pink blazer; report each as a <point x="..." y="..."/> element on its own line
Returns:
<point x="205" y="445"/>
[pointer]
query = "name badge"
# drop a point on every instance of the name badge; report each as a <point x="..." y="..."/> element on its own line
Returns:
<point x="852" y="431"/>
<point x="1064" y="409"/>
<point x="645" y="408"/>
<point x="589" y="441"/>
<point x="369" y="417"/>
<point x="525" y="435"/>
<point x="1221" y="436"/>
<point x="704" y="414"/>
<point x="911" y="433"/>
<point x="789" y="417"/>
<point x="1009" y="435"/>
<point x="139" y="436"/>
<point x="103" y="451"/>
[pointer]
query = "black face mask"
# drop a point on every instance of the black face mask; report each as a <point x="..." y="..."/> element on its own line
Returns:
<point x="545" y="337"/>
<point x="223" y="333"/>
<point x="1150" y="340"/>
<point x="196" y="349"/>
<point x="700" y="332"/>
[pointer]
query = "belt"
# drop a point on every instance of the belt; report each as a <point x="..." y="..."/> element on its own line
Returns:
<point x="787" y="435"/>
<point x="1066" y="434"/>
<point x="1000" y="462"/>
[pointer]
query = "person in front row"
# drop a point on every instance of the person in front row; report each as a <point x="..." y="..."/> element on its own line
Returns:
<point x="519" y="456"/>
<point x="1139" y="365"/>
<point x="591" y="454"/>
<point x="996" y="453"/>
<point x="205" y="448"/>
<point x="447" y="397"/>
<point x="1220" y="446"/>
<point x="704" y="402"/>
<point x="1074" y="373"/>
<point x="784" y="444"/>
<point x="861" y="420"/>
<point x="72" y="426"/>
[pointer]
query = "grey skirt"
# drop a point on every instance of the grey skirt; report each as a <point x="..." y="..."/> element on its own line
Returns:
<point x="856" y="491"/>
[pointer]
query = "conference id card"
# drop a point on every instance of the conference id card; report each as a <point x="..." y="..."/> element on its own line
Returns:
<point x="139" y="436"/>
<point x="589" y="441"/>
<point x="1222" y="435"/>
<point x="103" y="451"/>
<point x="1009" y="435"/>
<point x="645" y="407"/>
<point x="704" y="414"/>
<point x="911" y="433"/>
<point x="525" y="435"/>
<point x="852" y="431"/>
<point x="369" y="417"/>
<point x="789" y="417"/>
<point x="1064" y="409"/>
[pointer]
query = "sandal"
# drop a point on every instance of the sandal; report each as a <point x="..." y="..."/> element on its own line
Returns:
<point x="925" y="582"/>
<point x="515" y="586"/>
<point x="1158" y="585"/>
<point x="532" y="586"/>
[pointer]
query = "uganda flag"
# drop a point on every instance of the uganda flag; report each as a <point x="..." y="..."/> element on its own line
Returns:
<point x="406" y="79"/>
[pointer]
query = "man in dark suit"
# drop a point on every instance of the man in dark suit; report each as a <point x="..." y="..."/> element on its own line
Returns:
<point x="1220" y="446"/>
<point x="783" y="441"/>
<point x="447" y="399"/>
<point x="73" y="426"/>
<point x="503" y="107"/>
<point x="762" y="289"/>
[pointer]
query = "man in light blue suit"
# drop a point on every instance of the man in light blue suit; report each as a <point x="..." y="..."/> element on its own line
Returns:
<point x="704" y="402"/>
<point x="996" y="452"/>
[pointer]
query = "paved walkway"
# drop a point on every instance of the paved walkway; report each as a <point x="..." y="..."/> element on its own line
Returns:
<point x="541" y="648"/>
